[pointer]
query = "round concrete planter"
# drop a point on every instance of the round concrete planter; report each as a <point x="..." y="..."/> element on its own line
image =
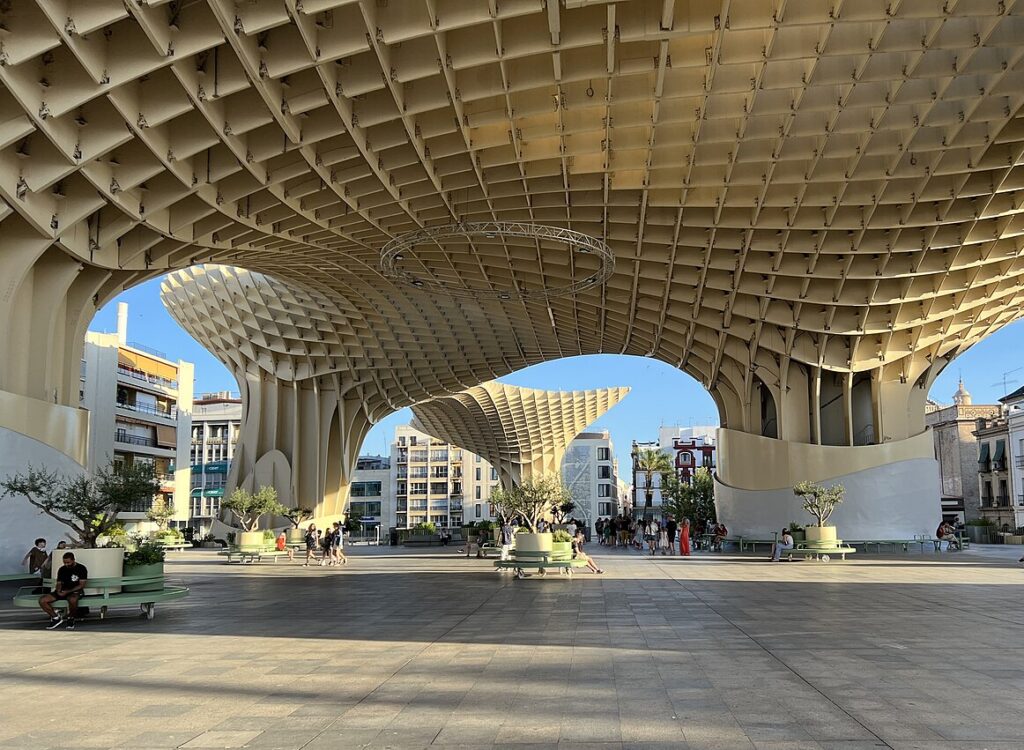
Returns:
<point x="820" y="534"/>
<point x="296" y="536"/>
<point x="153" y="569"/>
<point x="248" y="540"/>
<point x="101" y="563"/>
<point x="526" y="542"/>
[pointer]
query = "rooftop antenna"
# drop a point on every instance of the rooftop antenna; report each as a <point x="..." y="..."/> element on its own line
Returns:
<point x="1005" y="380"/>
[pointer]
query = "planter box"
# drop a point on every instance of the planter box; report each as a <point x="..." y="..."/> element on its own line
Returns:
<point x="979" y="534"/>
<point x="798" y="536"/>
<point x="422" y="540"/>
<point x="526" y="542"/>
<point x="250" y="540"/>
<point x="101" y="563"/>
<point x="560" y="550"/>
<point x="154" y="569"/>
<point x="820" y="534"/>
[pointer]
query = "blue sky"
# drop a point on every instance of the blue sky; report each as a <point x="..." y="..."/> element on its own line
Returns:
<point x="661" y="394"/>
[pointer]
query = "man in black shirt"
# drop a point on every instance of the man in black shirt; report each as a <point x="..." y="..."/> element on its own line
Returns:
<point x="71" y="578"/>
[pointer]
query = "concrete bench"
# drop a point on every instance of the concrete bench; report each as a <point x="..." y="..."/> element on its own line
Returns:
<point x="541" y="566"/>
<point x="28" y="597"/>
<point x="744" y="542"/>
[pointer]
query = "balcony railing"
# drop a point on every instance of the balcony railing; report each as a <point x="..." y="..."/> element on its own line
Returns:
<point x="1003" y="501"/>
<point x="139" y="506"/>
<point x="146" y="377"/>
<point x="124" y="437"/>
<point x="145" y="409"/>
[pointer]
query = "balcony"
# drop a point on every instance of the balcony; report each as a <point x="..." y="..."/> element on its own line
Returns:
<point x="155" y="411"/>
<point x="140" y="506"/>
<point x="124" y="437"/>
<point x="138" y="376"/>
<point x="1003" y="501"/>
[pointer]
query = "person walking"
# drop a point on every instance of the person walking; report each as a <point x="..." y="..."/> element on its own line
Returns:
<point x="663" y="537"/>
<point x="651" y="536"/>
<point x="507" y="536"/>
<point x="671" y="527"/>
<point x="312" y="542"/>
<point x="338" y="545"/>
<point x="684" y="538"/>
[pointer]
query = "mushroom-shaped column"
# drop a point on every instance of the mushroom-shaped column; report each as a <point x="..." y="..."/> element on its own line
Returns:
<point x="522" y="432"/>
<point x="305" y="415"/>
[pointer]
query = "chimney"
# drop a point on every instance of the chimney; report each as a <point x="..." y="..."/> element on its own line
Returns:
<point x="122" y="323"/>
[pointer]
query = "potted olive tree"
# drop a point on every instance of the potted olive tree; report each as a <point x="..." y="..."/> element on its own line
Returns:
<point x="532" y="501"/>
<point x="296" y="516"/>
<point x="249" y="508"/>
<point x="88" y="505"/>
<point x="820" y="501"/>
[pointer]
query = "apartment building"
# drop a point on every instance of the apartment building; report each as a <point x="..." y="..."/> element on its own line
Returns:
<point x="437" y="482"/>
<point x="689" y="448"/>
<point x="216" y="422"/>
<point x="371" y="501"/>
<point x="140" y="411"/>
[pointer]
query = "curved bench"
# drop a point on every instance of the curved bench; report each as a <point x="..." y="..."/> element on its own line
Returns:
<point x="540" y="561"/>
<point x="28" y="597"/>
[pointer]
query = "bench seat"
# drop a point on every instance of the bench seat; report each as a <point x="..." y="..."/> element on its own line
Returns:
<point x="253" y="555"/>
<point x="539" y="564"/>
<point x="18" y="577"/>
<point x="108" y="596"/>
<point x="823" y="553"/>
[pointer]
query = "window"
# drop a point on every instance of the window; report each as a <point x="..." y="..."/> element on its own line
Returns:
<point x="477" y="492"/>
<point x="494" y="474"/>
<point x="366" y="489"/>
<point x="478" y="508"/>
<point x="604" y="509"/>
<point x="603" y="454"/>
<point x="417" y="488"/>
<point x="477" y="458"/>
<point x="604" y="490"/>
<point x="478" y="473"/>
<point x="604" y="472"/>
<point x="438" y="488"/>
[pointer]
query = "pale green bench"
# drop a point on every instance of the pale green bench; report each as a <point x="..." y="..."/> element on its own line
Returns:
<point x="541" y="561"/>
<point x="744" y="542"/>
<point x="253" y="555"/>
<point x="5" y="577"/>
<point x="821" y="552"/>
<point x="146" y="600"/>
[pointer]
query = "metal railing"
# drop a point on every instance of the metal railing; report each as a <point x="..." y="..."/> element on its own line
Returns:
<point x="139" y="506"/>
<point x="145" y="377"/>
<point x="123" y="437"/>
<point x="1003" y="501"/>
<point x="148" y="350"/>
<point x="171" y="413"/>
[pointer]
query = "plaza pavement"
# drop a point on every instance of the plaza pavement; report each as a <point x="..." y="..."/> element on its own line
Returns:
<point x="422" y="649"/>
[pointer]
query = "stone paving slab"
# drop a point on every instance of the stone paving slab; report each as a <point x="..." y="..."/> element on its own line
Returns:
<point x="425" y="649"/>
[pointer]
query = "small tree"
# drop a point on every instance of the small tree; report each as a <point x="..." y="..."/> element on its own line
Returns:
<point x="297" y="515"/>
<point x="651" y="461"/>
<point x="695" y="501"/>
<point x="560" y="512"/>
<point x="534" y="499"/>
<point x="249" y="508"/>
<point x="88" y="505"/>
<point x="161" y="514"/>
<point x="818" y="500"/>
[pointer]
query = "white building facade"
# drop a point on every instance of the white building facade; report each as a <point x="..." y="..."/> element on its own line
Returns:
<point x="216" y="421"/>
<point x="140" y="411"/>
<point x="371" y="500"/>
<point x="434" y="481"/>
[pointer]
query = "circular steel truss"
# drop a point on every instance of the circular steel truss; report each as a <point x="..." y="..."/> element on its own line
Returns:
<point x="577" y="242"/>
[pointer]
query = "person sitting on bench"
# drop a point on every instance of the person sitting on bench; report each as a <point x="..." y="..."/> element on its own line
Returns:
<point x="946" y="533"/>
<point x="578" y="554"/>
<point x="785" y="543"/>
<point x="71" y="580"/>
<point x="720" y="533"/>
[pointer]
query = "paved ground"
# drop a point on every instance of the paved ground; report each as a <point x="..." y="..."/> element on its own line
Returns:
<point x="402" y="650"/>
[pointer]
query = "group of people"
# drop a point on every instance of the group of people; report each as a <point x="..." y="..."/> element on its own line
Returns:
<point x="70" y="581"/>
<point x="331" y="543"/>
<point x="653" y="535"/>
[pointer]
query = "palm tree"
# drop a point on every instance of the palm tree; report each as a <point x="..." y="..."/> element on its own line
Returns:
<point x="652" y="461"/>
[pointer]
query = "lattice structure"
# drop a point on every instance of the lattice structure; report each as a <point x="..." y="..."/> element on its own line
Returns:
<point x="522" y="432"/>
<point x="795" y="190"/>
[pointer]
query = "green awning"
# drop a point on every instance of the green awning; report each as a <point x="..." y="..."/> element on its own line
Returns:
<point x="1000" y="451"/>
<point x="216" y="467"/>
<point x="983" y="457"/>
<point x="216" y="492"/>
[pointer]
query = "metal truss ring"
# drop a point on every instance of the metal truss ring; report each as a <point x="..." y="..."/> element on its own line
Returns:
<point x="577" y="242"/>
